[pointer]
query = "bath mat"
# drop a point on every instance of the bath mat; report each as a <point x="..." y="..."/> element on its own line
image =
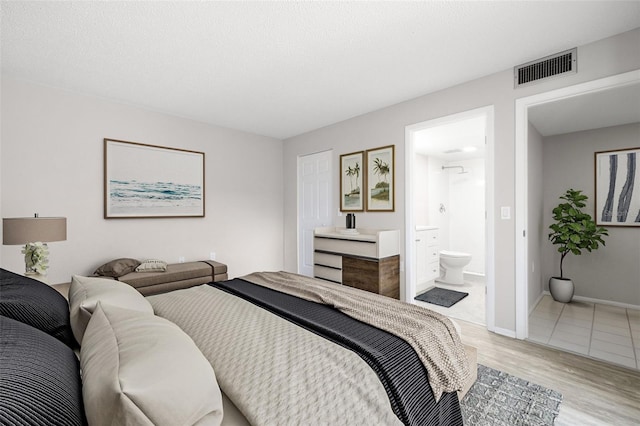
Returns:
<point x="442" y="297"/>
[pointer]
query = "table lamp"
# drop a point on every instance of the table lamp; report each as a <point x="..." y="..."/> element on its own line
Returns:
<point x="34" y="232"/>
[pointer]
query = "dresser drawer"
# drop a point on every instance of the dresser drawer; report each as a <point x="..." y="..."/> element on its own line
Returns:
<point x="356" y="248"/>
<point x="325" y="259"/>
<point x="330" y="274"/>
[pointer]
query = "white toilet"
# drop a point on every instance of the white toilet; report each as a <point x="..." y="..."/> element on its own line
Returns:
<point x="452" y="264"/>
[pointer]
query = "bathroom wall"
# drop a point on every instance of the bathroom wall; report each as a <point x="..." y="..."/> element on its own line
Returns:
<point x="421" y="182"/>
<point x="466" y="212"/>
<point x="439" y="195"/>
<point x="611" y="273"/>
<point x="461" y="225"/>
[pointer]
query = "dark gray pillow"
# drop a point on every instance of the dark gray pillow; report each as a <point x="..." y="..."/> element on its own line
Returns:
<point x="117" y="268"/>
<point x="39" y="378"/>
<point x="37" y="304"/>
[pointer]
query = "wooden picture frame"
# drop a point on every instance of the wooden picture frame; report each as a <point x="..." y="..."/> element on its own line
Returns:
<point x="352" y="182"/>
<point x="617" y="187"/>
<point x="150" y="181"/>
<point x="380" y="179"/>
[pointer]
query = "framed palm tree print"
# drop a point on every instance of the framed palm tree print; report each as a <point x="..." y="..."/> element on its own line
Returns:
<point x="352" y="182"/>
<point x="380" y="179"/>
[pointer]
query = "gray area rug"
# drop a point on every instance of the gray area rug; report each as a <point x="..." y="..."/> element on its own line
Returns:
<point x="500" y="399"/>
<point x="442" y="297"/>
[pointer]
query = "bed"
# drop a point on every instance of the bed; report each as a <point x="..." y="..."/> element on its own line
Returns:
<point x="260" y="350"/>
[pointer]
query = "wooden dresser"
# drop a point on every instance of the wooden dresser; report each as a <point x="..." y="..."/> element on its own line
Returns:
<point x="368" y="260"/>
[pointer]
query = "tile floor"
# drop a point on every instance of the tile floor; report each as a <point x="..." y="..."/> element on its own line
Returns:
<point x="604" y="332"/>
<point x="471" y="308"/>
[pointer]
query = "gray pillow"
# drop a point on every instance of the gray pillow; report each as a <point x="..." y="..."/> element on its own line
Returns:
<point x="39" y="378"/>
<point x="36" y="304"/>
<point x="117" y="268"/>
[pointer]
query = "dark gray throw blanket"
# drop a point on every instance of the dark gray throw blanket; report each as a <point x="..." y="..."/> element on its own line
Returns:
<point x="397" y="365"/>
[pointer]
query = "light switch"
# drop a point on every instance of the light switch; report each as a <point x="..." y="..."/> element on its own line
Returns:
<point x="505" y="212"/>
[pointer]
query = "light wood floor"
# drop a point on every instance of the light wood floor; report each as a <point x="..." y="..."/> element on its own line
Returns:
<point x="594" y="392"/>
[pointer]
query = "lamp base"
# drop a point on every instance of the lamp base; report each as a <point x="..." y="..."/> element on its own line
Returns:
<point x="36" y="258"/>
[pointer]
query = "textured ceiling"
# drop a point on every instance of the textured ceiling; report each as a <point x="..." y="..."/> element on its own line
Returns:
<point x="284" y="68"/>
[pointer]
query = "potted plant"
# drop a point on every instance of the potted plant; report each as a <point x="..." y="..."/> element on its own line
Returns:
<point x="573" y="231"/>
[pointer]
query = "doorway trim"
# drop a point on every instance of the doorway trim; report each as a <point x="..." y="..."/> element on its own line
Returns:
<point x="410" y="270"/>
<point x="522" y="179"/>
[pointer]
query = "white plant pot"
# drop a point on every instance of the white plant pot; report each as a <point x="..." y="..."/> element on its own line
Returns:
<point x="561" y="289"/>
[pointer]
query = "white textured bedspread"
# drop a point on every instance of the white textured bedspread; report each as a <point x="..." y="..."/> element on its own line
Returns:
<point x="432" y="335"/>
<point x="274" y="371"/>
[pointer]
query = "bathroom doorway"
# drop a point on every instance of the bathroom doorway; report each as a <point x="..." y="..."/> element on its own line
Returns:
<point x="450" y="202"/>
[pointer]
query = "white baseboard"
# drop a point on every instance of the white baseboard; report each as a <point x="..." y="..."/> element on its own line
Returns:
<point x="533" y="307"/>
<point x="422" y="287"/>
<point x="504" y="332"/>
<point x="601" y="302"/>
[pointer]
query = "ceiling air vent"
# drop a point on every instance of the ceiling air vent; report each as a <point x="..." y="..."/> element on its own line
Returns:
<point x="559" y="64"/>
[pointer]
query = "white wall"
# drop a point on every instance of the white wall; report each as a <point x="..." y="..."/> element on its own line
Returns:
<point x="52" y="163"/>
<point x="466" y="212"/>
<point x="387" y="126"/>
<point x="612" y="272"/>
<point x="423" y="195"/>
<point x="535" y="215"/>
<point x="438" y="194"/>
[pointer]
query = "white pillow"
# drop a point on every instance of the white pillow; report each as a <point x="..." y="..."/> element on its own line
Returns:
<point x="86" y="292"/>
<point x="140" y="369"/>
<point x="152" y="265"/>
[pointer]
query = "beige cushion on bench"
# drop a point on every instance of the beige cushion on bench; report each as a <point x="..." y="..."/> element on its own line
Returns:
<point x="177" y="275"/>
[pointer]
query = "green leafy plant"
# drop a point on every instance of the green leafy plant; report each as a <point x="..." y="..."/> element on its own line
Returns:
<point x="574" y="230"/>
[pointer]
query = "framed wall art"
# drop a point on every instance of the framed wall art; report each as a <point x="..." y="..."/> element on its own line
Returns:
<point x="149" y="181"/>
<point x="380" y="179"/>
<point x="352" y="182"/>
<point x="617" y="187"/>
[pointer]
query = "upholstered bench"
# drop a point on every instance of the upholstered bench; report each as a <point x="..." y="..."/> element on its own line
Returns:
<point x="177" y="276"/>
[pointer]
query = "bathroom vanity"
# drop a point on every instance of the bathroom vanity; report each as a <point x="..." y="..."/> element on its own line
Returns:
<point x="427" y="257"/>
<point x="368" y="259"/>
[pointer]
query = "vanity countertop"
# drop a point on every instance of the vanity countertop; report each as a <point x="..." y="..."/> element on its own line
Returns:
<point x="425" y="228"/>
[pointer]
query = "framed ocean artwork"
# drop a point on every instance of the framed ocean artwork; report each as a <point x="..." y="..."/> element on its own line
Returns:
<point x="149" y="181"/>
<point x="617" y="187"/>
